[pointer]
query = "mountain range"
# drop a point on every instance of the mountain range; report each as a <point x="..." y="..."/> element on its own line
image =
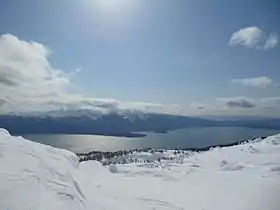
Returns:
<point x="123" y="123"/>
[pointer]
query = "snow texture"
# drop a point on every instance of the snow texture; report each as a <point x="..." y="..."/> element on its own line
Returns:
<point x="38" y="177"/>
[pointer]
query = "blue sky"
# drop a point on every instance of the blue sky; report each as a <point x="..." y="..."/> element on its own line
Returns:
<point x="166" y="52"/>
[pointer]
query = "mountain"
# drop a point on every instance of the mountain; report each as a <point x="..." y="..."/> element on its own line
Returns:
<point x="122" y="123"/>
<point x="246" y="121"/>
<point x="264" y="123"/>
<point x="86" y="122"/>
<point x="236" y="117"/>
<point x="243" y="177"/>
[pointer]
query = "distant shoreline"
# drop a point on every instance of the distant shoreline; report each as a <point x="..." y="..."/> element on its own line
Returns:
<point x="99" y="155"/>
<point x="128" y="135"/>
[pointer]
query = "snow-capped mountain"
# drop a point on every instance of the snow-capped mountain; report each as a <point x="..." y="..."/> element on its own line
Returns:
<point x="243" y="177"/>
<point x="129" y="114"/>
<point x="117" y="123"/>
<point x="121" y="123"/>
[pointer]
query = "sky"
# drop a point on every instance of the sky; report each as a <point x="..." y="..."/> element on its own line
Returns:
<point x="187" y="57"/>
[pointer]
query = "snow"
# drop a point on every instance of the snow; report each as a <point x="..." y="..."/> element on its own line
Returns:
<point x="242" y="177"/>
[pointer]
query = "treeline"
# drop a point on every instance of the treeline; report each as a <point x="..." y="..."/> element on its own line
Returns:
<point x="105" y="156"/>
<point x="126" y="156"/>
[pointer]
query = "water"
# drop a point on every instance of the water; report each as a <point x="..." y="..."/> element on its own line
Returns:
<point x="184" y="138"/>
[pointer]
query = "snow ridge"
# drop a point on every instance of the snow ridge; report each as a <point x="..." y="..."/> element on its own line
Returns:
<point x="37" y="176"/>
<point x="40" y="177"/>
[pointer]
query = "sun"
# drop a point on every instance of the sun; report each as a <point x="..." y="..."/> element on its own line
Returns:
<point x="114" y="6"/>
<point x="115" y="14"/>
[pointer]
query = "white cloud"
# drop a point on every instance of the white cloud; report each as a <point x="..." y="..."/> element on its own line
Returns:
<point x="146" y="106"/>
<point x="259" y="82"/>
<point x="271" y="42"/>
<point x="101" y="103"/>
<point x="253" y="37"/>
<point x="175" y="106"/>
<point x="238" y="102"/>
<point x="197" y="106"/>
<point x="257" y="105"/>
<point x="270" y="102"/>
<point x="3" y="101"/>
<point x="26" y="74"/>
<point x="28" y="82"/>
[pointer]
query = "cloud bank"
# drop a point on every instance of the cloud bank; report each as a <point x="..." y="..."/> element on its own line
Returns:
<point x="238" y="102"/>
<point x="254" y="38"/>
<point x="28" y="83"/>
<point x="257" y="82"/>
<point x="26" y="74"/>
<point x="247" y="103"/>
<point x="198" y="106"/>
<point x="270" y="102"/>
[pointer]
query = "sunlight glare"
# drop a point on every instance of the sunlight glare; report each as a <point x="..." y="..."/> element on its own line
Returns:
<point x="114" y="6"/>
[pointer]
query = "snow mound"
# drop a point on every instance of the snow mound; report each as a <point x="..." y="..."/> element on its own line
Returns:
<point x="242" y="177"/>
<point x="35" y="176"/>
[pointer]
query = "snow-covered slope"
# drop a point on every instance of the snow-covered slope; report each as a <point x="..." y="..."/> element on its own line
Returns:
<point x="35" y="176"/>
<point x="243" y="177"/>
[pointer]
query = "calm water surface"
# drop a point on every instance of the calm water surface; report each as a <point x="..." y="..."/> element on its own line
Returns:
<point x="184" y="138"/>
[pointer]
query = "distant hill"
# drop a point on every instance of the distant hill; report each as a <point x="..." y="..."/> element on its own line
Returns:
<point x="247" y="121"/>
<point x="116" y="124"/>
<point x="236" y="117"/>
<point x="125" y="123"/>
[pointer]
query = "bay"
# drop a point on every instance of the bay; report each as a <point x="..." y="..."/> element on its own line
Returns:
<point x="181" y="139"/>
